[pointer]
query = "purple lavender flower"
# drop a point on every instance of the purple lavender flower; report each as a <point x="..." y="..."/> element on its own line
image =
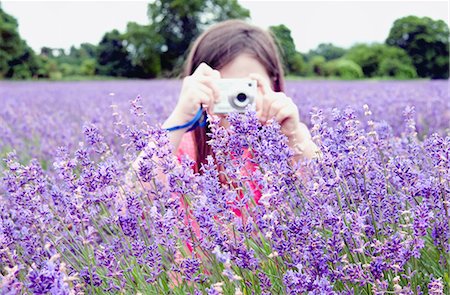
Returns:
<point x="296" y="282"/>
<point x="374" y="203"/>
<point x="244" y="258"/>
<point x="11" y="284"/>
<point x="129" y="225"/>
<point x="136" y="106"/>
<point x="93" y="137"/>
<point x="435" y="287"/>
<point x="90" y="277"/>
<point x="189" y="267"/>
<point x="264" y="281"/>
<point x="421" y="220"/>
<point x="48" y="280"/>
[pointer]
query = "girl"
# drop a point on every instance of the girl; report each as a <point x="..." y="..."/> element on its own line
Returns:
<point x="231" y="49"/>
<point x="234" y="49"/>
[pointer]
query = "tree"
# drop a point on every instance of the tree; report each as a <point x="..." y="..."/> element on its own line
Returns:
<point x="316" y="65"/>
<point x="72" y="63"/>
<point x="77" y="55"/>
<point x="46" y="51"/>
<point x="24" y="65"/>
<point x="143" y="46"/>
<point x="370" y="56"/>
<point x="395" y="68"/>
<point x="87" y="50"/>
<point x="47" y="67"/>
<point x="365" y="56"/>
<point x="87" y="67"/>
<point x="112" y="56"/>
<point x="9" y="40"/>
<point x="426" y="42"/>
<point x="343" y="68"/>
<point x="293" y="60"/>
<point x="178" y="22"/>
<point x="17" y="59"/>
<point x="327" y="50"/>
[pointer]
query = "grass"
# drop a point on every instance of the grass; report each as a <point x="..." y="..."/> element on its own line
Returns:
<point x="91" y="78"/>
<point x="334" y="78"/>
<point x="288" y="78"/>
<point x="72" y="78"/>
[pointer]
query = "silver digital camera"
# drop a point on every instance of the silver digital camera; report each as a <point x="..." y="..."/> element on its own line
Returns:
<point x="236" y="95"/>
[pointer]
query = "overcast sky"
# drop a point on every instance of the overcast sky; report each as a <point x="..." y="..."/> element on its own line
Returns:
<point x="64" y="23"/>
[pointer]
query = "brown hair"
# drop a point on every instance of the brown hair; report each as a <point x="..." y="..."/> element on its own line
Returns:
<point x="219" y="45"/>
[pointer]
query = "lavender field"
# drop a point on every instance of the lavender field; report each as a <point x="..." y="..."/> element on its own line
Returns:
<point x="37" y="117"/>
<point x="369" y="216"/>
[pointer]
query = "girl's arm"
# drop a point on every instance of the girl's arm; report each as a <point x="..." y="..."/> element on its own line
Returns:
<point x="197" y="90"/>
<point x="174" y="139"/>
<point x="176" y="135"/>
<point x="302" y="144"/>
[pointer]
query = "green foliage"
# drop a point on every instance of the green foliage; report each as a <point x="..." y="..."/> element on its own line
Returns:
<point x="391" y="67"/>
<point x="427" y="43"/>
<point x="297" y="64"/>
<point x="293" y="60"/>
<point x="24" y="65"/>
<point x="366" y="56"/>
<point x="47" y="51"/>
<point x="112" y="56"/>
<point x="179" y="22"/>
<point x="17" y="59"/>
<point x="143" y="46"/>
<point x="327" y="50"/>
<point x="41" y="72"/>
<point x="343" y="68"/>
<point x="87" y="68"/>
<point x="55" y="75"/>
<point x="86" y="50"/>
<point x="370" y="56"/>
<point x="415" y="47"/>
<point x="316" y="66"/>
<point x="79" y="61"/>
<point x="68" y="69"/>
<point x="10" y="41"/>
<point x="47" y="66"/>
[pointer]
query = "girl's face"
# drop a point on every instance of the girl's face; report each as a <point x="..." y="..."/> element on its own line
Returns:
<point x="240" y="67"/>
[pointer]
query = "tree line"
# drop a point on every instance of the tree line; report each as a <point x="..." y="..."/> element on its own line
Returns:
<point x="415" y="47"/>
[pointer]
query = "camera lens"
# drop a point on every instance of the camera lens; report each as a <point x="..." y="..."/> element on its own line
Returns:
<point x="241" y="97"/>
<point x="240" y="100"/>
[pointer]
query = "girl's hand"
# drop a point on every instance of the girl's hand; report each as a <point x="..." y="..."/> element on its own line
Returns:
<point x="276" y="105"/>
<point x="197" y="89"/>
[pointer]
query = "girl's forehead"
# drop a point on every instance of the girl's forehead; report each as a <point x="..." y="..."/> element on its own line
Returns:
<point x="242" y="66"/>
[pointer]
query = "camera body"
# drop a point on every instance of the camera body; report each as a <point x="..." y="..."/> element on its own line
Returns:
<point x="235" y="95"/>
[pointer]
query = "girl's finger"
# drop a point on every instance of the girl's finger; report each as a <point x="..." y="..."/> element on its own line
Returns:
<point x="276" y="106"/>
<point x="210" y="82"/>
<point x="283" y="114"/>
<point x="263" y="84"/>
<point x="202" y="98"/>
<point x="211" y="104"/>
<point x="203" y="70"/>
<point x="259" y="104"/>
<point x="266" y="103"/>
<point x="215" y="74"/>
<point x="205" y="89"/>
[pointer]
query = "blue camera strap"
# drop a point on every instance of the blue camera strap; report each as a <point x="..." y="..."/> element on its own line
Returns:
<point x="194" y="122"/>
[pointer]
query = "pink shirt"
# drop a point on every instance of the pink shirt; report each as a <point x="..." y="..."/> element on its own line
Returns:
<point x="187" y="147"/>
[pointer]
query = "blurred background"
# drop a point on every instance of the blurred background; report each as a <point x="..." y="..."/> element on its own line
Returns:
<point x="81" y="40"/>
